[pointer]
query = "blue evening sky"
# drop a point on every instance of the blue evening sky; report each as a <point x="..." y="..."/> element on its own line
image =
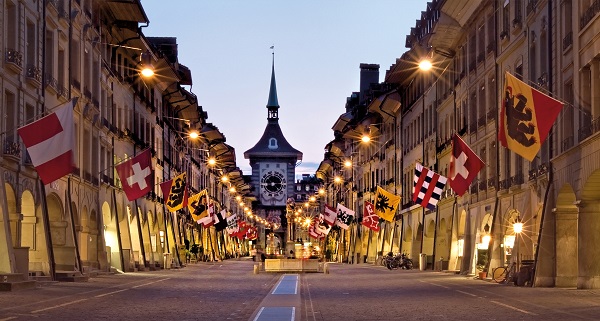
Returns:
<point x="319" y="45"/>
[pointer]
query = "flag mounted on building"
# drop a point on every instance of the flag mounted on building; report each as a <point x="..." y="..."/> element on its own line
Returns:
<point x="243" y="227"/>
<point x="252" y="233"/>
<point x="208" y="220"/>
<point x="428" y="186"/>
<point x="220" y="220"/>
<point x="198" y="205"/>
<point x="464" y="166"/>
<point x="526" y="118"/>
<point x="370" y="218"/>
<point x="312" y="229"/>
<point x="386" y="204"/>
<point x="232" y="225"/>
<point x="175" y="193"/>
<point x="322" y="226"/>
<point x="345" y="216"/>
<point x="330" y="215"/>
<point x="136" y="175"/>
<point x="49" y="142"/>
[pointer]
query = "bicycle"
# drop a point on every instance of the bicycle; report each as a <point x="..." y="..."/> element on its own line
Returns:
<point x="505" y="274"/>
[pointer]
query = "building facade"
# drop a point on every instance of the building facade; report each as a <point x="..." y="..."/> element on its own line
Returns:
<point x="57" y="50"/>
<point x="550" y="45"/>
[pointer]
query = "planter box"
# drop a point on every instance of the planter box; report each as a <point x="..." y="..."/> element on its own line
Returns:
<point x="291" y="265"/>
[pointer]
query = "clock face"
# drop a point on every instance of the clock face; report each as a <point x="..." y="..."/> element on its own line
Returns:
<point x="273" y="183"/>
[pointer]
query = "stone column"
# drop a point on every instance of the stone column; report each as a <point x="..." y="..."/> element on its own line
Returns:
<point x="588" y="238"/>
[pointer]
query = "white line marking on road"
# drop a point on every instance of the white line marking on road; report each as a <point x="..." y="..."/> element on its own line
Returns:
<point x="137" y="286"/>
<point x="467" y="293"/>
<point x="109" y="293"/>
<point x="441" y="286"/>
<point x="513" y="308"/>
<point x="58" y="306"/>
<point x="9" y="318"/>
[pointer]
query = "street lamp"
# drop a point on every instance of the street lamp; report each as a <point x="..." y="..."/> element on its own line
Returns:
<point x="517" y="228"/>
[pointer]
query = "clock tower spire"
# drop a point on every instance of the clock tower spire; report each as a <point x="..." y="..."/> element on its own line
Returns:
<point x="273" y="104"/>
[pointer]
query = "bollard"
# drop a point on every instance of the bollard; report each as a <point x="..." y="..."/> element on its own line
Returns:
<point x="326" y="268"/>
<point x="255" y="268"/>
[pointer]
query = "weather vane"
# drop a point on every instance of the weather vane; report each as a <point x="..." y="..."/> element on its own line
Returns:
<point x="273" y="48"/>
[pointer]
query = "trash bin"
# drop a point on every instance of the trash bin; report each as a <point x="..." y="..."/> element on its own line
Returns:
<point x="422" y="261"/>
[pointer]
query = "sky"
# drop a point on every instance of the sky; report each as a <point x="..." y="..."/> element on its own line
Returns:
<point x="318" y="44"/>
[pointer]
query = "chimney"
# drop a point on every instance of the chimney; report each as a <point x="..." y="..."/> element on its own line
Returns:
<point x="369" y="74"/>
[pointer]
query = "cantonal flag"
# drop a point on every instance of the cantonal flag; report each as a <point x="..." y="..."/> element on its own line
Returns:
<point x="428" y="186"/>
<point x="370" y="219"/>
<point x="220" y="220"/>
<point x="526" y="118"/>
<point x="198" y="205"/>
<point x="175" y="193"/>
<point x="345" y="216"/>
<point x="49" y="142"/>
<point x="136" y="175"/>
<point x="208" y="220"/>
<point x="330" y="215"/>
<point x="232" y="225"/>
<point x="313" y="231"/>
<point x="386" y="204"/>
<point x="321" y="225"/>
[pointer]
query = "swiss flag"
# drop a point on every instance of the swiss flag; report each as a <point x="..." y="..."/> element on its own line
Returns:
<point x="49" y="142"/>
<point x="136" y="175"/>
<point x="464" y="166"/>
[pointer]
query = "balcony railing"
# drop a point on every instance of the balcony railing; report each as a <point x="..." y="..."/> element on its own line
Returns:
<point x="539" y="171"/>
<point x="589" y="14"/>
<point x="491" y="182"/>
<point x="52" y="83"/>
<point x="474" y="186"/>
<point x="516" y="180"/>
<point x="11" y="148"/>
<point x="34" y="74"/>
<point x="482" y="185"/>
<point x="587" y="131"/>
<point x="14" y="59"/>
<point x="566" y="144"/>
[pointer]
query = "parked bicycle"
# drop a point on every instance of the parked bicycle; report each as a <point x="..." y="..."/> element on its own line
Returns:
<point x="399" y="261"/>
<point x="505" y="274"/>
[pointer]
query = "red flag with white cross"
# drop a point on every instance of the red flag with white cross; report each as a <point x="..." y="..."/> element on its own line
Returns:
<point x="136" y="175"/>
<point x="464" y="166"/>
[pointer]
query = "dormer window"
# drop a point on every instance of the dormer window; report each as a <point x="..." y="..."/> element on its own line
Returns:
<point x="273" y="143"/>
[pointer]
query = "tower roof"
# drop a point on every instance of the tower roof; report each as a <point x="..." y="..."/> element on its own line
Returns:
<point x="273" y="143"/>
<point x="273" y="102"/>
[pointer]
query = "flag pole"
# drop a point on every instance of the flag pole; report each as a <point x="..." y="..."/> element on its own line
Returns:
<point x="46" y="220"/>
<point x="383" y="238"/>
<point x="114" y="194"/>
<point x="75" y="242"/>
<point x="139" y="228"/>
<point x="151" y="259"/>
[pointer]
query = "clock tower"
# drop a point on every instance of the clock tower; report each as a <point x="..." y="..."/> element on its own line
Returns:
<point x="273" y="161"/>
